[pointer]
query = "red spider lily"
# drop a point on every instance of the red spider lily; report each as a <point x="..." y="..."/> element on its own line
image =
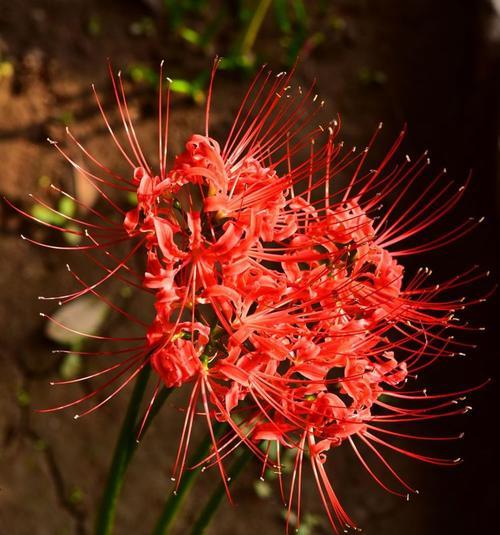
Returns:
<point x="279" y="294"/>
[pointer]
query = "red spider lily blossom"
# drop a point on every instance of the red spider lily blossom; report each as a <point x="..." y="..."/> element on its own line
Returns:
<point x="280" y="296"/>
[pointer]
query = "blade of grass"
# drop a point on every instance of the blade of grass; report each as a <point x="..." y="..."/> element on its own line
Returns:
<point x="253" y="27"/>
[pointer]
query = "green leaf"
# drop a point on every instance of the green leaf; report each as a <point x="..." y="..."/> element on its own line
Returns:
<point x="44" y="181"/>
<point x="143" y="74"/>
<point x="262" y="489"/>
<point x="190" y="35"/>
<point x="94" y="26"/>
<point x="144" y="27"/>
<point x="6" y="69"/>
<point x="23" y="397"/>
<point x="281" y="14"/>
<point x="67" y="206"/>
<point x="76" y="495"/>
<point x="71" y="366"/>
<point x="46" y="215"/>
<point x="71" y="237"/>
<point x="300" y="13"/>
<point x="66" y="117"/>
<point x="181" y="86"/>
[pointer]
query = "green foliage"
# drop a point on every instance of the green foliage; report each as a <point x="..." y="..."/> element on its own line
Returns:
<point x="144" y="27"/>
<point x="46" y="215"/>
<point x="6" y="69"/>
<point x="371" y="77"/>
<point x="67" y="206"/>
<point x="66" y="117"/>
<point x="71" y="366"/>
<point x="263" y="489"/>
<point x="23" y="397"/>
<point x="76" y="495"/>
<point x="202" y="26"/>
<point x="60" y="217"/>
<point x="143" y="74"/>
<point x="94" y="26"/>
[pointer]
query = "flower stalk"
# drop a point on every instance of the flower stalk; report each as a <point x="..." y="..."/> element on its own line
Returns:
<point x="176" y="499"/>
<point x="125" y="448"/>
<point x="208" y="512"/>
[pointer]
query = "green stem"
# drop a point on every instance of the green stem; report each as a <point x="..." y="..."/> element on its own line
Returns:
<point x="215" y="499"/>
<point x="157" y="405"/>
<point x="124" y="450"/>
<point x="254" y="27"/>
<point x="175" y="501"/>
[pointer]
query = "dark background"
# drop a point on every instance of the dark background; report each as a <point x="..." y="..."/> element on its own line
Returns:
<point x="431" y="64"/>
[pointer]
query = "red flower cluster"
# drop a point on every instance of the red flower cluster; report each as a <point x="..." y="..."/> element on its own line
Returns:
<point x="278" y="290"/>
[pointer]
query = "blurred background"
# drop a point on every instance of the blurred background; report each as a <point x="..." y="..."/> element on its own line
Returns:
<point x="432" y="65"/>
